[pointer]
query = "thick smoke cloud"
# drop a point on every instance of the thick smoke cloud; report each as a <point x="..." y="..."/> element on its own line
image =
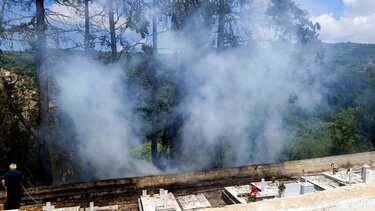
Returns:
<point x="239" y="99"/>
<point x="233" y="103"/>
<point x="94" y="97"/>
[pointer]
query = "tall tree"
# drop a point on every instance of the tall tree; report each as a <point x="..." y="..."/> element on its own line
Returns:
<point x="292" y="22"/>
<point x="2" y="10"/>
<point x="112" y="31"/>
<point x="41" y="60"/>
<point x="154" y="88"/>
<point x="87" y="26"/>
<point x="43" y="85"/>
<point x="221" y="24"/>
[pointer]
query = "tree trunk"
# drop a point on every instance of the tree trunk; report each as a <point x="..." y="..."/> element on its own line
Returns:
<point x="218" y="157"/>
<point x="154" y="29"/>
<point x="43" y="89"/>
<point x="112" y="30"/>
<point x="41" y="61"/>
<point x="154" y="90"/>
<point x="2" y="10"/>
<point x="87" y="26"/>
<point x="154" y="116"/>
<point x="220" y="29"/>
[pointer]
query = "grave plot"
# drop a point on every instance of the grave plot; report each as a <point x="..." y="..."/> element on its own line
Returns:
<point x="193" y="202"/>
<point x="163" y="201"/>
<point x="50" y="207"/>
<point x="238" y="194"/>
<point x="344" y="177"/>
<point x="322" y="182"/>
<point x="270" y="189"/>
<point x="330" y="180"/>
<point x="67" y="209"/>
<point x="234" y="194"/>
<point x="298" y="188"/>
<point x="105" y="208"/>
<point x="266" y="190"/>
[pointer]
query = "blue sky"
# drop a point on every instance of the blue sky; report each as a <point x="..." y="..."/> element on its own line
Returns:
<point x="318" y="7"/>
<point x="343" y="20"/>
<point x="340" y="20"/>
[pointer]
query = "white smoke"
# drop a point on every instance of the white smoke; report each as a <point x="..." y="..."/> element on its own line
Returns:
<point x="238" y="99"/>
<point x="233" y="102"/>
<point x="94" y="97"/>
<point x="230" y="94"/>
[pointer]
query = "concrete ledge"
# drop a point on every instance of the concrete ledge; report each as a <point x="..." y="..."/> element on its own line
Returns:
<point x="132" y="187"/>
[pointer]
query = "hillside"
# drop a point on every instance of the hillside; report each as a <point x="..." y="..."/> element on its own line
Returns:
<point x="349" y="56"/>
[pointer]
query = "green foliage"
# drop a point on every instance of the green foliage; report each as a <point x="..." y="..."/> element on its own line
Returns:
<point x="293" y="22"/>
<point x="144" y="151"/>
<point x="349" y="56"/>
<point x="16" y="144"/>
<point x="312" y="140"/>
<point x="347" y="123"/>
<point x="21" y="62"/>
<point x="281" y="186"/>
<point x="344" y="131"/>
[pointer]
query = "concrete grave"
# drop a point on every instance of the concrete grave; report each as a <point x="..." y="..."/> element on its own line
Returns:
<point x="295" y="188"/>
<point x="233" y="194"/>
<point x="307" y="187"/>
<point x="193" y="202"/>
<point x="163" y="201"/>
<point x="368" y="175"/>
<point x="322" y="183"/>
<point x="48" y="207"/>
<point x="76" y="208"/>
<point x="96" y="208"/>
<point x="236" y="194"/>
<point x="346" y="177"/>
<point x="267" y="189"/>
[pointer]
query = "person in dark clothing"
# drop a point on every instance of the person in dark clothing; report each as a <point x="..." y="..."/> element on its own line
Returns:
<point x="12" y="182"/>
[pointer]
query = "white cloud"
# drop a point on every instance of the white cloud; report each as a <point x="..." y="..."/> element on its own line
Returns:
<point x="357" y="23"/>
<point x="362" y="7"/>
<point x="75" y="16"/>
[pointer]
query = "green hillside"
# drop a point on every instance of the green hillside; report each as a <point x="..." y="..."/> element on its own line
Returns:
<point x="349" y="56"/>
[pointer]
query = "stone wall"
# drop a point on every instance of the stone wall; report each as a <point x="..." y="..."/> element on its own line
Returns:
<point x="190" y="181"/>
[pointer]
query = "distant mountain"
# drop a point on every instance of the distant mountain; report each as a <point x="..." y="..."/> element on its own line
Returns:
<point x="349" y="56"/>
<point x="338" y="57"/>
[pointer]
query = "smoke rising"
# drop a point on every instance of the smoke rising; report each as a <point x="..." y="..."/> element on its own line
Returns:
<point x="233" y="103"/>
<point x="238" y="99"/>
<point x="94" y="97"/>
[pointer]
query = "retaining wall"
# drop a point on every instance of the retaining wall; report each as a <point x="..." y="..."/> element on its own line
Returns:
<point x="190" y="181"/>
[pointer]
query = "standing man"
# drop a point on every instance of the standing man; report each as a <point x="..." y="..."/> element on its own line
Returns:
<point x="12" y="182"/>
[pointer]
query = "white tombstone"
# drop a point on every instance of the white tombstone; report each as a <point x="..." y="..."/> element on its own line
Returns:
<point x="306" y="187"/>
<point x="161" y="192"/>
<point x="165" y="198"/>
<point x="48" y="207"/>
<point x="263" y="185"/>
<point x="91" y="206"/>
<point x="350" y="175"/>
<point x="144" y="193"/>
<point x="366" y="173"/>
